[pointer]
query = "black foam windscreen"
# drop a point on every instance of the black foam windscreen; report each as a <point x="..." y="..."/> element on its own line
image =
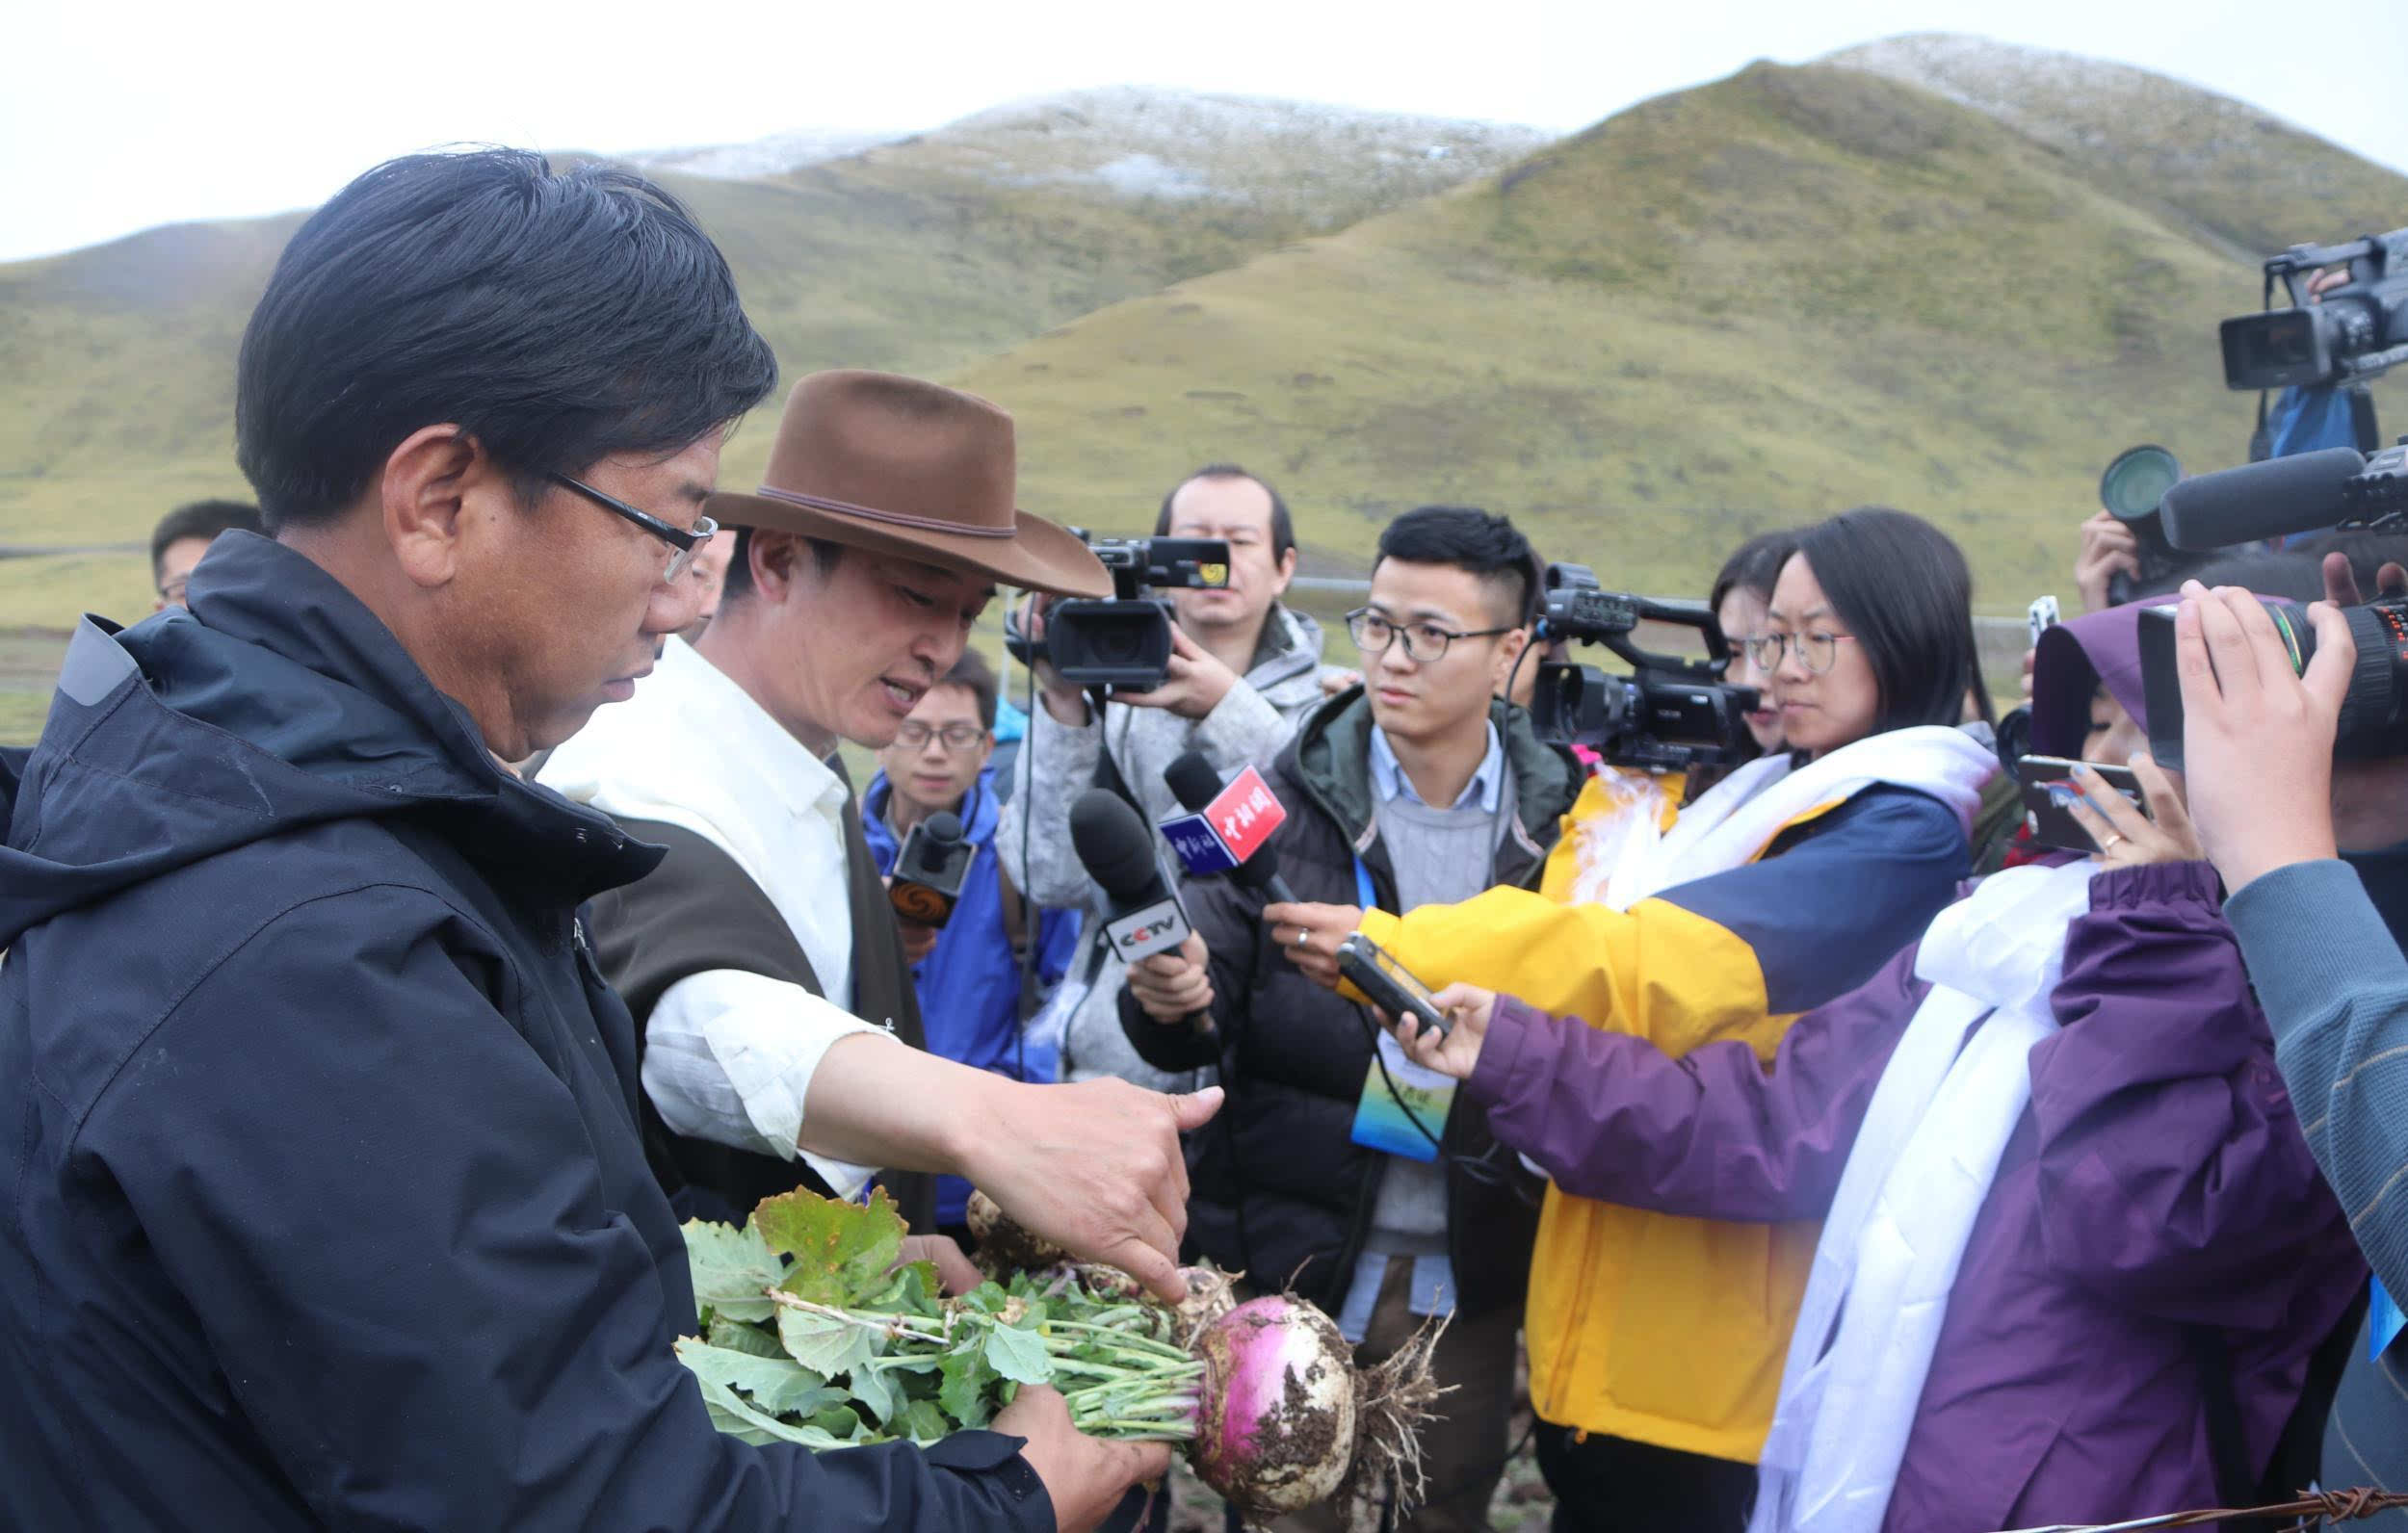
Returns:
<point x="1192" y="780"/>
<point x="2278" y="496"/>
<point x="1114" y="846"/>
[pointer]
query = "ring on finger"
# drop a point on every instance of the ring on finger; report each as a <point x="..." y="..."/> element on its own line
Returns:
<point x="2115" y="838"/>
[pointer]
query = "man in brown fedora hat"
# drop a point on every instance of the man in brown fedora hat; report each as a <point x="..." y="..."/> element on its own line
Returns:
<point x="762" y="961"/>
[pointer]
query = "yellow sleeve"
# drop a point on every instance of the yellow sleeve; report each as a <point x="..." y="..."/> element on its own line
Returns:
<point x="1655" y="971"/>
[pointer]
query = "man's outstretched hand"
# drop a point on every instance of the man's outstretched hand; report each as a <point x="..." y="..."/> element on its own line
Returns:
<point x="1095" y="1167"/>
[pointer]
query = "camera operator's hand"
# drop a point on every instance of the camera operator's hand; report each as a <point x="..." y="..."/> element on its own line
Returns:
<point x="1336" y="679"/>
<point x="1309" y="935"/>
<point x="918" y="941"/>
<point x="2341" y="581"/>
<point x="1193" y="683"/>
<point x="2126" y="837"/>
<point x="1171" y="986"/>
<point x="1085" y="1477"/>
<point x="1063" y="699"/>
<point x="2108" y="546"/>
<point x="1468" y="1009"/>
<point x="2257" y="739"/>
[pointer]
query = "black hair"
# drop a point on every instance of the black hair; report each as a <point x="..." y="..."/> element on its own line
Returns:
<point x="557" y="317"/>
<point x="737" y="586"/>
<point x="1282" y="527"/>
<point x="202" y="519"/>
<point x="1755" y="567"/>
<point x="973" y="675"/>
<point x="1490" y="547"/>
<point x="1903" y="587"/>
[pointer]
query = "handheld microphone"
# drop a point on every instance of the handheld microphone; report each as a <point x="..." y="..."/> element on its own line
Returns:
<point x="1141" y="917"/>
<point x="1227" y="827"/>
<point x="2280" y="496"/>
<point x="929" y="869"/>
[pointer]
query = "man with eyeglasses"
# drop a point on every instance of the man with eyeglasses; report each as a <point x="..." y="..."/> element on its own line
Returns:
<point x="326" y="1202"/>
<point x="1420" y="786"/>
<point x="968" y="972"/>
<point x="1244" y="668"/>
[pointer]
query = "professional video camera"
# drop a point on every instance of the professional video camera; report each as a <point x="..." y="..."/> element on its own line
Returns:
<point x="1123" y="642"/>
<point x="2332" y="488"/>
<point x="2353" y="332"/>
<point x="1669" y="714"/>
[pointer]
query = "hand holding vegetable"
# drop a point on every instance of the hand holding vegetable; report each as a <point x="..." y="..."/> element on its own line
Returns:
<point x="1095" y="1166"/>
<point x="1084" y="1476"/>
<point x="1468" y="1009"/>
<point x="953" y="1269"/>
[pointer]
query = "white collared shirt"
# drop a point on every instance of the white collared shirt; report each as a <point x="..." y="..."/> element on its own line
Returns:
<point x="1389" y="781"/>
<point x="728" y="1053"/>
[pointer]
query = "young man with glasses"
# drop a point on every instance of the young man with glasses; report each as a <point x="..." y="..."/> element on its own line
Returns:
<point x="1244" y="670"/>
<point x="326" y="1202"/>
<point x="1419" y="786"/>
<point x="968" y="971"/>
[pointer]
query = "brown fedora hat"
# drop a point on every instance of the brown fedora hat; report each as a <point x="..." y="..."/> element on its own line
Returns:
<point x="910" y="468"/>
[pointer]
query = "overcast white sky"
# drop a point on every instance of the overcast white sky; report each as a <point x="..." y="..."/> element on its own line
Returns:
<point x="117" y="117"/>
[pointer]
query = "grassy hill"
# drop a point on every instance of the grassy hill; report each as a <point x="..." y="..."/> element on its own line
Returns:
<point x="117" y="362"/>
<point x="1763" y="299"/>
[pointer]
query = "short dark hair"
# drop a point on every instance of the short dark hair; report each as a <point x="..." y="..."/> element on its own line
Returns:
<point x="1755" y="569"/>
<point x="1903" y="587"/>
<point x="1490" y="547"/>
<point x="558" y="317"/>
<point x="202" y="519"/>
<point x="973" y="675"/>
<point x="737" y="586"/>
<point x="1282" y="527"/>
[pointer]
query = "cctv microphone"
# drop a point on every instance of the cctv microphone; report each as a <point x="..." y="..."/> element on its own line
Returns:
<point x="1227" y="827"/>
<point x="2272" y="499"/>
<point x="929" y="870"/>
<point x="1141" y="917"/>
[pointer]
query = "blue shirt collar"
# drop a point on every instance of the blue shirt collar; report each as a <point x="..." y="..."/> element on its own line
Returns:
<point x="1487" y="784"/>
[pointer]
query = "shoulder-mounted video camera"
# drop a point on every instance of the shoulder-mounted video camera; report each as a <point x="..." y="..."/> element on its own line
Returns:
<point x="2353" y="332"/>
<point x="1122" y="642"/>
<point x="2336" y="488"/>
<point x="1669" y="714"/>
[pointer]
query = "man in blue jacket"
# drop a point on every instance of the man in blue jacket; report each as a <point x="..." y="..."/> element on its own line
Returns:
<point x="324" y="1199"/>
<point x="968" y="971"/>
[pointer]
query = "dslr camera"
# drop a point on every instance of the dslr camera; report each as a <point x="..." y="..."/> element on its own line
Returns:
<point x="1669" y="714"/>
<point x="1123" y="642"/>
<point x="2332" y="488"/>
<point x="2354" y="332"/>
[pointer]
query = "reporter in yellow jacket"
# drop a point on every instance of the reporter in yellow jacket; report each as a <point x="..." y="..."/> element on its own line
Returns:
<point x="1656" y="1344"/>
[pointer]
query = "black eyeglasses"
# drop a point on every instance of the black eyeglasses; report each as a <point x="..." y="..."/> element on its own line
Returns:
<point x="1423" y="642"/>
<point x="681" y="541"/>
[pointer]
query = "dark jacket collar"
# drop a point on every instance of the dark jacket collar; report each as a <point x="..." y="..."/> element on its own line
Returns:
<point x="1330" y="759"/>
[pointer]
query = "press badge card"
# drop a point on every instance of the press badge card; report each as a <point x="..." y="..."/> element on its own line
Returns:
<point x="1380" y="1122"/>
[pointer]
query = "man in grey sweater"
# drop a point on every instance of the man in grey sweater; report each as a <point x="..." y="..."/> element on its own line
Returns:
<point x="2314" y="854"/>
<point x="1244" y="670"/>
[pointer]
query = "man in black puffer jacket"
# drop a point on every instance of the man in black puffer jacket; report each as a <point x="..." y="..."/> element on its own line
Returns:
<point x="1415" y="788"/>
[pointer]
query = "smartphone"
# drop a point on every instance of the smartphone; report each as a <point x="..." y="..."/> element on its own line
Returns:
<point x="2043" y="615"/>
<point x="2049" y="786"/>
<point x="1392" y="987"/>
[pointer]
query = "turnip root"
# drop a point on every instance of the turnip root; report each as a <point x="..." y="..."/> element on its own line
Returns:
<point x="811" y="1334"/>
<point x="1004" y="1244"/>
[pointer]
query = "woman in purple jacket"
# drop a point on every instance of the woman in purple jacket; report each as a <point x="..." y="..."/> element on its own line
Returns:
<point x="2056" y="1165"/>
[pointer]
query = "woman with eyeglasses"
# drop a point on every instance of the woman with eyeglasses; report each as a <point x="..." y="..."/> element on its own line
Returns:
<point x="1656" y="1342"/>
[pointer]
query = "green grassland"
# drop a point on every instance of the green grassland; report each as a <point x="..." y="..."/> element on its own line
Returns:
<point x="1764" y="300"/>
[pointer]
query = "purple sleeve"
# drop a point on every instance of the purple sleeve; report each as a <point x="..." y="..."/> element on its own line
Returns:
<point x="1712" y="1135"/>
<point x="2173" y="1176"/>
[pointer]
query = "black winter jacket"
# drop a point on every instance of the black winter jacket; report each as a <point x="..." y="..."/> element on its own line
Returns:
<point x="323" y="1201"/>
<point x="1278" y="1187"/>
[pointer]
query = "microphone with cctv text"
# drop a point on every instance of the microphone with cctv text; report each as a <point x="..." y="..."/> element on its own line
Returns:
<point x="2280" y="496"/>
<point x="1142" y="915"/>
<point x="929" y="869"/>
<point x="1227" y="827"/>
